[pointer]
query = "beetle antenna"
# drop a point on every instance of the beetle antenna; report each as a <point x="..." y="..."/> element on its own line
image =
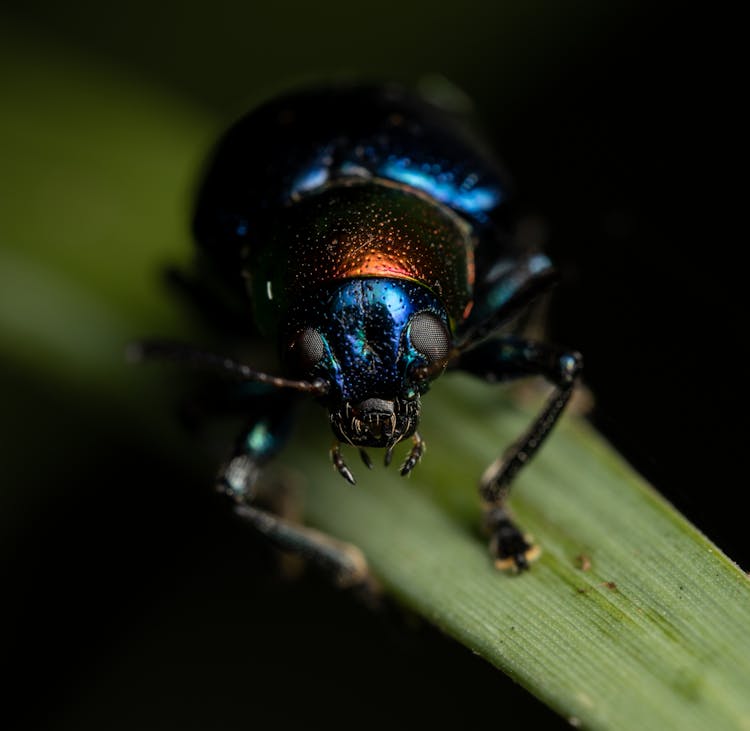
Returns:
<point x="143" y="350"/>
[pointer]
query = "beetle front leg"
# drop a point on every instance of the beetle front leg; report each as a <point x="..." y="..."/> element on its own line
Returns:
<point x="342" y="562"/>
<point x="507" y="359"/>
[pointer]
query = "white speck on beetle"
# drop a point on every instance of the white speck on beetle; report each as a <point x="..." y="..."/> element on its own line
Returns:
<point x="269" y="291"/>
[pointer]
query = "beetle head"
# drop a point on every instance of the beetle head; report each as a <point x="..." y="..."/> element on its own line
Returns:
<point x="368" y="338"/>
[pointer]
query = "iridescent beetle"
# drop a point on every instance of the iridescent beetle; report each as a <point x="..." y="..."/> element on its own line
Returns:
<point x="366" y="228"/>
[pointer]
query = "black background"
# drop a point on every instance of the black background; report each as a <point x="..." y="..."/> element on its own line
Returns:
<point x="625" y="134"/>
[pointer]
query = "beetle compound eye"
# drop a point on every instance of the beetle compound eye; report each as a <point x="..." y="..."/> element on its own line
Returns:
<point x="308" y="348"/>
<point x="429" y="336"/>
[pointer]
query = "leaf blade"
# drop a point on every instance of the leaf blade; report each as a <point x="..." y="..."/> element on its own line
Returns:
<point x="658" y="623"/>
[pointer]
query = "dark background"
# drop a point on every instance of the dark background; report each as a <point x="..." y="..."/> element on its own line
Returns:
<point x="623" y="129"/>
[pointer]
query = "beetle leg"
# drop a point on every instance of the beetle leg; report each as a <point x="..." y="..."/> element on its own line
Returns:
<point x="343" y="562"/>
<point x="511" y="549"/>
<point x="414" y="456"/>
<point x="504" y="296"/>
<point x="506" y="359"/>
<point x="262" y="439"/>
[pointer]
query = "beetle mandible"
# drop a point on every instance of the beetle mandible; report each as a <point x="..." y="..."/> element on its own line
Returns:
<point x="367" y="231"/>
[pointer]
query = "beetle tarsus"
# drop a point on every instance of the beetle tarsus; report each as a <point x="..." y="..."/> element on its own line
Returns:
<point x="511" y="549"/>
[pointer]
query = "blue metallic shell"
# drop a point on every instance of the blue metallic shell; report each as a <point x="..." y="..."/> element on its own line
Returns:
<point x="298" y="144"/>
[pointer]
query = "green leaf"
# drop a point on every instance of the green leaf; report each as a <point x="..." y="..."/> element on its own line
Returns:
<point x="631" y="619"/>
<point x="653" y="635"/>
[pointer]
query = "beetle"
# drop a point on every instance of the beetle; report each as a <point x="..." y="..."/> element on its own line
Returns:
<point x="366" y="231"/>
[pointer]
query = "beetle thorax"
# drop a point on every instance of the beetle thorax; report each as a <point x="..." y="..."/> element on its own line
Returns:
<point x="365" y="230"/>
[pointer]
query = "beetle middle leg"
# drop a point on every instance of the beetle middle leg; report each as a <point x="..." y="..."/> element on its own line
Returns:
<point x="238" y="479"/>
<point x="506" y="359"/>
